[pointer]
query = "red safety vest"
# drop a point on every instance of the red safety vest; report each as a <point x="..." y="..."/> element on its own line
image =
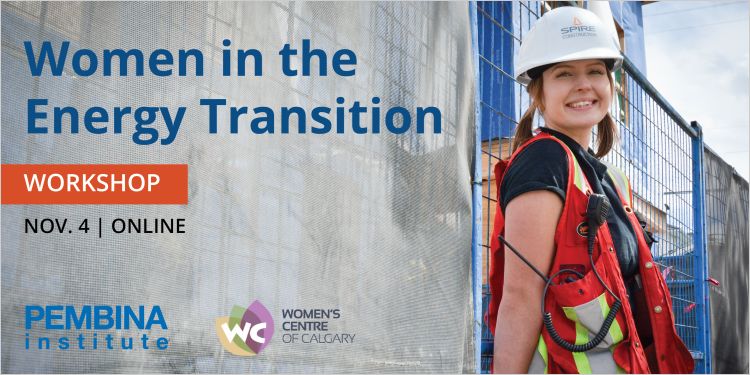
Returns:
<point x="578" y="308"/>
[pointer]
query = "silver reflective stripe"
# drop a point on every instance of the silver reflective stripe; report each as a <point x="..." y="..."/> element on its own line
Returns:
<point x="537" y="364"/>
<point x="539" y="361"/>
<point x="589" y="317"/>
<point x="601" y="361"/>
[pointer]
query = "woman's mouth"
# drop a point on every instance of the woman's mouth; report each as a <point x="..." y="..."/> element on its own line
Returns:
<point x="582" y="105"/>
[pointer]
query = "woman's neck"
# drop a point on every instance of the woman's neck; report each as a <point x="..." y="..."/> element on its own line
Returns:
<point x="581" y="136"/>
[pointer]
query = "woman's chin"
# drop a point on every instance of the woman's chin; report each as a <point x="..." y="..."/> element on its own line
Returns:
<point x="580" y="122"/>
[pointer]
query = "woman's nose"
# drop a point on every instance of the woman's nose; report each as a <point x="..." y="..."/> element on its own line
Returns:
<point x="583" y="82"/>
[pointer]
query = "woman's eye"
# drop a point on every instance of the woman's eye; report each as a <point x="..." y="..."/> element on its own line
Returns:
<point x="597" y="71"/>
<point x="563" y="74"/>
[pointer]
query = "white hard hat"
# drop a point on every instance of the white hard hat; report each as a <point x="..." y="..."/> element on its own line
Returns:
<point x="566" y="34"/>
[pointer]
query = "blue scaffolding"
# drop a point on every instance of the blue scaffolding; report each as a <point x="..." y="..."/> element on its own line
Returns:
<point x="660" y="152"/>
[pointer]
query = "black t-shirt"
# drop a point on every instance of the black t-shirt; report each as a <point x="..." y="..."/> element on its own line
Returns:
<point x="543" y="165"/>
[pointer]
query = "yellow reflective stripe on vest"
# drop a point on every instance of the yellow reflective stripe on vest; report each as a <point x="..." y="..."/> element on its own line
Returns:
<point x="539" y="360"/>
<point x="614" y="330"/>
<point x="578" y="177"/>
<point x="582" y="337"/>
<point x="621" y="183"/>
<point x="541" y="347"/>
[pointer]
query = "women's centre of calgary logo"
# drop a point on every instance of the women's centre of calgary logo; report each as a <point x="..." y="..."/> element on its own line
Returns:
<point x="246" y="331"/>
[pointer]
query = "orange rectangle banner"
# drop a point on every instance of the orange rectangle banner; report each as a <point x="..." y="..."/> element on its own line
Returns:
<point x="94" y="183"/>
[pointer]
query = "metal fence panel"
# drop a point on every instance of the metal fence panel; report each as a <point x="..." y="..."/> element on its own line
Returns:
<point x="727" y="243"/>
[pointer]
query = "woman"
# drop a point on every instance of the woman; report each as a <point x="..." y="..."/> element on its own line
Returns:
<point x="574" y="246"/>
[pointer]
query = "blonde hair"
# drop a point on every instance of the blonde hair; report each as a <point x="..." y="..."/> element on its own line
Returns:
<point x="606" y="130"/>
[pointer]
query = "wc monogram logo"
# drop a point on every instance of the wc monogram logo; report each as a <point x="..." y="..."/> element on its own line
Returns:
<point x="246" y="331"/>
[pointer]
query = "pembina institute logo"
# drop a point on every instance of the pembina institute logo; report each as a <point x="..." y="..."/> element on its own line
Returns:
<point x="246" y="331"/>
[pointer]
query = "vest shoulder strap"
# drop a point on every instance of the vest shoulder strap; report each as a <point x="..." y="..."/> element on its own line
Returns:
<point x="575" y="174"/>
<point x="622" y="184"/>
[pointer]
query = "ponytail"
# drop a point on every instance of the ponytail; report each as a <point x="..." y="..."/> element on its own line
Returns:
<point x="524" y="128"/>
<point x="606" y="134"/>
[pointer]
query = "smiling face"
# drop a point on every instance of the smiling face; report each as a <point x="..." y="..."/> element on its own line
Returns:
<point x="576" y="95"/>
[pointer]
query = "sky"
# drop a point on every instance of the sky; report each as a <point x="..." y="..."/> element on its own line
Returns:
<point x="697" y="57"/>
